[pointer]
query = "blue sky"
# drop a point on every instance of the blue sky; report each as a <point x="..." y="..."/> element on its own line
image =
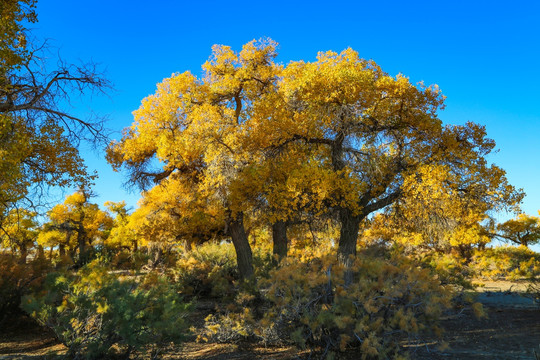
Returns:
<point x="483" y="54"/>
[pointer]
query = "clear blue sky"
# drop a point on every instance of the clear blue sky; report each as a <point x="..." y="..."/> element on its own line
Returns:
<point x="483" y="54"/>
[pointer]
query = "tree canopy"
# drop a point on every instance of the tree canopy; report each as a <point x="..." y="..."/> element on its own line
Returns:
<point x="362" y="140"/>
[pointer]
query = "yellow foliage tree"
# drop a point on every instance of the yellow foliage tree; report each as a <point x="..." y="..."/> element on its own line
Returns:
<point x="83" y="223"/>
<point x="374" y="132"/>
<point x="121" y="236"/>
<point x="523" y="230"/>
<point x="19" y="232"/>
<point x="197" y="129"/>
<point x="337" y="135"/>
<point x="38" y="139"/>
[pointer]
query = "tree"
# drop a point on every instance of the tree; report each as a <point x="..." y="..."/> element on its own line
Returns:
<point x="523" y="230"/>
<point x="197" y="129"/>
<point x="373" y="131"/>
<point x="121" y="235"/>
<point x="83" y="223"/>
<point x="38" y="137"/>
<point x="336" y="136"/>
<point x="19" y="232"/>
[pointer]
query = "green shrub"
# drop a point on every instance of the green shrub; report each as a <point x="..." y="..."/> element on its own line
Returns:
<point x="96" y="314"/>
<point x="449" y="268"/>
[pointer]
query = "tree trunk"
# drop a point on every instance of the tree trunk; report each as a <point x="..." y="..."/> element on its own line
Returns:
<point x="82" y="249"/>
<point x="40" y="252"/>
<point x="24" y="253"/>
<point x="348" y="236"/>
<point x="244" y="256"/>
<point x="280" y="240"/>
<point x="61" y="250"/>
<point x="155" y="253"/>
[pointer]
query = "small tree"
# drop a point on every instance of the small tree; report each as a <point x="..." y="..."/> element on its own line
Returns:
<point x="523" y="230"/>
<point x="82" y="222"/>
<point x="19" y="232"/>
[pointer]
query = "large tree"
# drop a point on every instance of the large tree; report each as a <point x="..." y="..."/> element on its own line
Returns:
<point x="335" y="136"/>
<point x="374" y="131"/>
<point x="199" y="131"/>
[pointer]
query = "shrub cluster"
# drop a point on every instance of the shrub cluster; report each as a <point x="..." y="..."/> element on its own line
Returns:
<point x="210" y="270"/>
<point x="506" y="262"/>
<point x="311" y="304"/>
<point x="96" y="314"/>
<point x="18" y="279"/>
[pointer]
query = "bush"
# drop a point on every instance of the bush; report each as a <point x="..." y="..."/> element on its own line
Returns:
<point x="123" y="259"/>
<point x="210" y="270"/>
<point x="506" y="262"/>
<point x="310" y="305"/>
<point x="96" y="314"/>
<point x="449" y="268"/>
<point x="17" y="279"/>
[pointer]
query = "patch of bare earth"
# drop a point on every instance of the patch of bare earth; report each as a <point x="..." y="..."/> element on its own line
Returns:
<point x="23" y="338"/>
<point x="511" y="329"/>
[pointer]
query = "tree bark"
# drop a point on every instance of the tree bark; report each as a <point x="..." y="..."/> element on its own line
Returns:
<point x="348" y="237"/>
<point x="61" y="250"/>
<point x="280" y="240"/>
<point x="83" y="252"/>
<point x="244" y="256"/>
<point x="348" y="234"/>
<point x="24" y="253"/>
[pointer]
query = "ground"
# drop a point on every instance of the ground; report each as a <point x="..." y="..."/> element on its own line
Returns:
<point x="510" y="331"/>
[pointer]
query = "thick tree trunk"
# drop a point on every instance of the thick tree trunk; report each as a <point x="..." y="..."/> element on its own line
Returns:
<point x="82" y="250"/>
<point x="61" y="250"/>
<point x="280" y="240"/>
<point x="244" y="256"/>
<point x="348" y="236"/>
<point x="40" y="252"/>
